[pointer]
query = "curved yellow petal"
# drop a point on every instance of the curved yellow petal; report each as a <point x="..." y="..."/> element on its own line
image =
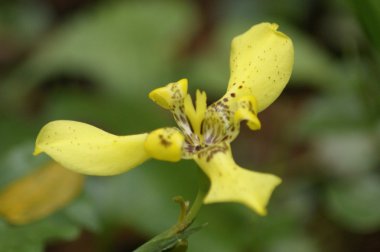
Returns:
<point x="165" y="144"/>
<point x="39" y="194"/>
<point x="223" y="117"/>
<point x="171" y="94"/>
<point x="86" y="149"/>
<point x="261" y="61"/>
<point x="231" y="183"/>
<point x="247" y="111"/>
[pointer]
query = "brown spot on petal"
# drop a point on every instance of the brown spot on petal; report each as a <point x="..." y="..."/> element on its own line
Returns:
<point x="165" y="143"/>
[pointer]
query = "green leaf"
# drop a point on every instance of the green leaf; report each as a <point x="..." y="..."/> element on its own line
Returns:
<point x="295" y="242"/>
<point x="135" y="198"/>
<point x="116" y="45"/>
<point x="169" y="242"/>
<point x="83" y="213"/>
<point x="346" y="153"/>
<point x="33" y="237"/>
<point x="330" y="114"/>
<point x="18" y="162"/>
<point x="368" y="13"/>
<point x="39" y="194"/>
<point x="65" y="224"/>
<point x="354" y="203"/>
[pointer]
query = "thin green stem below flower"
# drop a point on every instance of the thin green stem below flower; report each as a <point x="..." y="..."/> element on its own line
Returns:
<point x="185" y="219"/>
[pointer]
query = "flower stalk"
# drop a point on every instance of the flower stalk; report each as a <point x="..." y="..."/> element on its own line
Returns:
<point x="186" y="217"/>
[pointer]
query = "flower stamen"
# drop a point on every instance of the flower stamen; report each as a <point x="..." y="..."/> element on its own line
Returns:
<point x="196" y="114"/>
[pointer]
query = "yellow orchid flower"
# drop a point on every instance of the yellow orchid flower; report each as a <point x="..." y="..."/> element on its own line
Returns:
<point x="261" y="64"/>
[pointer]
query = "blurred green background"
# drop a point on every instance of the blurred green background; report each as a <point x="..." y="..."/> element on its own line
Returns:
<point x="96" y="61"/>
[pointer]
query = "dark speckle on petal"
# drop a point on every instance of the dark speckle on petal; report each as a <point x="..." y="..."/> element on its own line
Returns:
<point x="165" y="142"/>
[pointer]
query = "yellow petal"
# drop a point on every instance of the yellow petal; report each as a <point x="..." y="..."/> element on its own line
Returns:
<point x="261" y="61"/>
<point x="231" y="183"/>
<point x="165" y="144"/>
<point x="39" y="194"/>
<point x="247" y="110"/>
<point x="89" y="150"/>
<point x="171" y="94"/>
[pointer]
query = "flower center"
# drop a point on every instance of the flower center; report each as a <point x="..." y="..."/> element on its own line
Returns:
<point x="204" y="126"/>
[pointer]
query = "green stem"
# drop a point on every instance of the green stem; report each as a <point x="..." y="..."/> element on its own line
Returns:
<point x="184" y="206"/>
<point x="198" y="202"/>
<point x="185" y="219"/>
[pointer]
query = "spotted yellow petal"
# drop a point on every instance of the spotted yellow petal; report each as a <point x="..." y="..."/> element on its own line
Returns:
<point x="247" y="111"/>
<point x="165" y="144"/>
<point x="86" y="149"/>
<point x="231" y="183"/>
<point x="261" y="61"/>
<point x="39" y="194"/>
<point x="171" y="94"/>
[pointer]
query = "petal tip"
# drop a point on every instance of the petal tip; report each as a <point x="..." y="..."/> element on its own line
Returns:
<point x="274" y="26"/>
<point x="261" y="212"/>
<point x="184" y="82"/>
<point x="37" y="151"/>
<point x="163" y="96"/>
